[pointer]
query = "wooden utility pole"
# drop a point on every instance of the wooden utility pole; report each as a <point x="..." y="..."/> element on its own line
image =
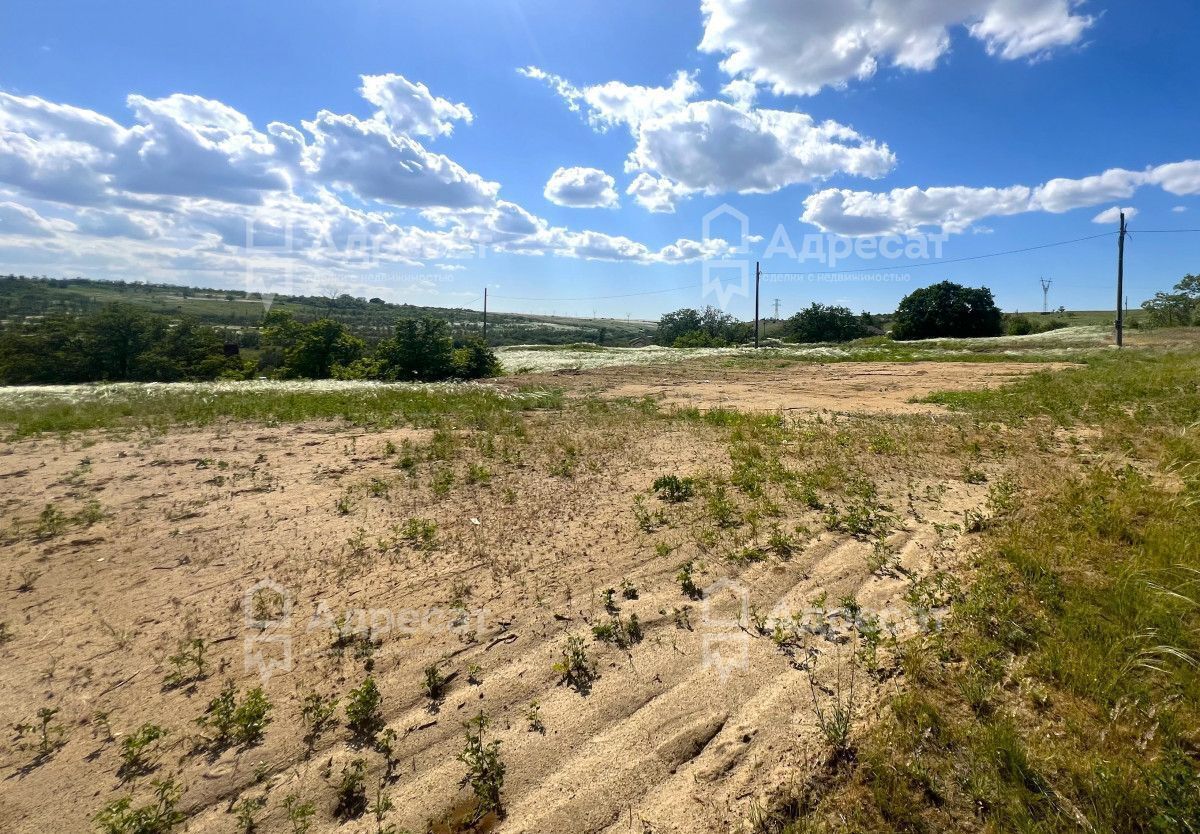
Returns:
<point x="485" y="315"/>
<point x="1121" y="283"/>
<point x="757" y="278"/>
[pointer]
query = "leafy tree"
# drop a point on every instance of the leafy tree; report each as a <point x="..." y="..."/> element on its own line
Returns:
<point x="117" y="344"/>
<point x="1175" y="309"/>
<point x="673" y="325"/>
<point x="698" y="339"/>
<point x="322" y="344"/>
<point x="1018" y="326"/>
<point x="421" y="351"/>
<point x="185" y="351"/>
<point x="947" y="309"/>
<point x="52" y="351"/>
<point x="821" y="323"/>
<point x="475" y="360"/>
<point x="701" y="328"/>
<point x="280" y="329"/>
<point x="117" y="336"/>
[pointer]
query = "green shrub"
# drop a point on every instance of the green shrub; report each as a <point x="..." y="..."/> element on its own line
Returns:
<point x="946" y="310"/>
<point x="363" y="716"/>
<point x="233" y="723"/>
<point x="821" y="323"/>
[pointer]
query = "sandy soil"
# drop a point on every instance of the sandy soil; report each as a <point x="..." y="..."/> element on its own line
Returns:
<point x="842" y="387"/>
<point x="682" y="732"/>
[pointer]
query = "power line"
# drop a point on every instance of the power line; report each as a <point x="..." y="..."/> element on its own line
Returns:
<point x="953" y="260"/>
<point x="847" y="271"/>
<point x="594" y="297"/>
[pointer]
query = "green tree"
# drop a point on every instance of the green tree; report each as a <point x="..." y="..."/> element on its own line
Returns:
<point x="701" y="328"/>
<point x="947" y="310"/>
<point x="475" y="360"/>
<point x="421" y="351"/>
<point x="186" y="351"/>
<point x="673" y="325"/>
<point x="117" y="335"/>
<point x="321" y="345"/>
<point x="50" y="351"/>
<point x="821" y="323"/>
<point x="1175" y="309"/>
<point x="119" y="343"/>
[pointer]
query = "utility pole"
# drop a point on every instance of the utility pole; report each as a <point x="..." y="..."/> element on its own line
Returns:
<point x="757" y="278"/>
<point x="485" y="315"/>
<point x="1121" y="283"/>
<point x="1046" y="295"/>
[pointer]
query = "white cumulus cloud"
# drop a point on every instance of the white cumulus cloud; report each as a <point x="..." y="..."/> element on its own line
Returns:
<point x="191" y="186"/>
<point x="958" y="208"/>
<point x="410" y="108"/>
<point x="368" y="157"/>
<point x="581" y="188"/>
<point x="655" y="194"/>
<point x="1113" y="215"/>
<point x="683" y="146"/>
<point x="801" y="46"/>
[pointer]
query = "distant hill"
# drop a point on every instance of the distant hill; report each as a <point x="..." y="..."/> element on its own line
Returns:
<point x="21" y="297"/>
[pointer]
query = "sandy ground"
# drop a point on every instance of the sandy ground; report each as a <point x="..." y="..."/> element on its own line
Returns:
<point x="690" y="730"/>
<point x="842" y="387"/>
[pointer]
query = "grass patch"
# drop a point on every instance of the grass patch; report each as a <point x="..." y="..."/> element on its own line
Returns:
<point x="1064" y="692"/>
<point x="1130" y="388"/>
<point x="134" y="406"/>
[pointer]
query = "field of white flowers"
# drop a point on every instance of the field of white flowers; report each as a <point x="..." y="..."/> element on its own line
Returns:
<point x="1064" y="344"/>
<point x="1056" y="344"/>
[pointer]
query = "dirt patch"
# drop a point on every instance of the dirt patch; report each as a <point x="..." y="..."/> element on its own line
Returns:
<point x="842" y="387"/>
<point x="155" y="540"/>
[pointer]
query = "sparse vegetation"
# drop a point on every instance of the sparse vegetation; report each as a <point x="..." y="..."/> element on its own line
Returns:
<point x="317" y="713"/>
<point x="533" y="715"/>
<point x="485" y="769"/>
<point x="236" y="723"/>
<point x="673" y="488"/>
<point x="687" y="582"/>
<point x="137" y="749"/>
<point x="435" y="682"/>
<point x="351" y="791"/>
<point x="575" y="668"/>
<point x="363" y="715"/>
<point x="159" y="817"/>
<point x="299" y="814"/>
<point x="1052" y="666"/>
<point x="188" y="664"/>
<point x="246" y="811"/>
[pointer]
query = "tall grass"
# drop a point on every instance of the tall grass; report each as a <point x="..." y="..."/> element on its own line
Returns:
<point x="1065" y="693"/>
<point x="1128" y="389"/>
<point x="162" y="407"/>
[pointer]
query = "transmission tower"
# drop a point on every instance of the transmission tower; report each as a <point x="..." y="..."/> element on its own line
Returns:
<point x="777" y="309"/>
<point x="1046" y="282"/>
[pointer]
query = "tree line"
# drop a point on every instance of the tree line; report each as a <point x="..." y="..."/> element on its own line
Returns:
<point x="939" y="311"/>
<point x="944" y="310"/>
<point x="1175" y="309"/>
<point x="124" y="343"/>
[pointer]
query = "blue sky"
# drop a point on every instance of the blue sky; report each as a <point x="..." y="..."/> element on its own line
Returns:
<point x="141" y="140"/>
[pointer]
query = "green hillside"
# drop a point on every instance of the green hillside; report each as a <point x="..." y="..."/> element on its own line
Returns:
<point x="21" y="297"/>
